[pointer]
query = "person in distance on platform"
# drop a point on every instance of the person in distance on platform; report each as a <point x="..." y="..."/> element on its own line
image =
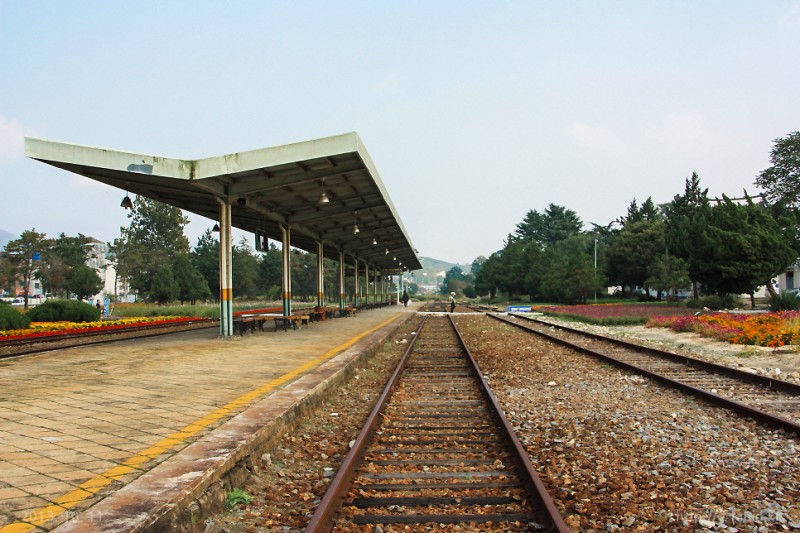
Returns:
<point x="452" y="302"/>
<point x="405" y="298"/>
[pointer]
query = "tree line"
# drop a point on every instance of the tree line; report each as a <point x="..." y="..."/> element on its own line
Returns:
<point x="713" y="246"/>
<point x="153" y="257"/>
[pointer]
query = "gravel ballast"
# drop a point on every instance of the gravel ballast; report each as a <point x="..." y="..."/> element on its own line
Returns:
<point x="618" y="452"/>
<point x="621" y="453"/>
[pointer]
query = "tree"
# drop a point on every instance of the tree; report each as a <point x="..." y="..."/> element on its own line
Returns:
<point x="781" y="181"/>
<point x="531" y="268"/>
<point x="744" y="247"/>
<point x="304" y="276"/>
<point x="191" y="283"/>
<point x="154" y="237"/>
<point x="555" y="224"/>
<point x="23" y="256"/>
<point x="648" y="212"/>
<point x="270" y="270"/>
<point x="245" y="270"/>
<point x="686" y="222"/>
<point x="84" y="282"/>
<point x="205" y="259"/>
<point x="476" y="266"/>
<point x="668" y="274"/>
<point x="569" y="274"/>
<point x="7" y="275"/>
<point x="62" y="256"/>
<point x="454" y="281"/>
<point x="487" y="279"/>
<point x="633" y="250"/>
<point x="163" y="288"/>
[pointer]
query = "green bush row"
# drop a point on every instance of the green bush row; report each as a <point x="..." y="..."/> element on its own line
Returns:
<point x="10" y="318"/>
<point x="64" y="310"/>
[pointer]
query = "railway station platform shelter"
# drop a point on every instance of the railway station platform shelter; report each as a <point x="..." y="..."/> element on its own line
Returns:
<point x="323" y="196"/>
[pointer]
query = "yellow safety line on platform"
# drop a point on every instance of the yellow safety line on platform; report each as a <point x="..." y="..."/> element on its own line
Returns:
<point x="88" y="488"/>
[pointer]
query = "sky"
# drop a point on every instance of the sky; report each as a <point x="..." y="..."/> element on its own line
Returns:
<point x="475" y="113"/>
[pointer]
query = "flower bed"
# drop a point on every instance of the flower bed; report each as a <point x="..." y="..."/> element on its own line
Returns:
<point x="48" y="329"/>
<point x="769" y="329"/>
<point x="613" y="314"/>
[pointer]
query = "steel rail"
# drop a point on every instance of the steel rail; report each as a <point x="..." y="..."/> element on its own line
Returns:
<point x="744" y="409"/>
<point x="534" y="483"/>
<point x="755" y="379"/>
<point x="330" y="504"/>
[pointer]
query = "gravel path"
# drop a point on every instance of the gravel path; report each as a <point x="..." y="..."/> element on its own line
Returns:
<point x="618" y="452"/>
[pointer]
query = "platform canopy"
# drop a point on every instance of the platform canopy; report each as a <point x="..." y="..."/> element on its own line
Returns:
<point x="267" y="188"/>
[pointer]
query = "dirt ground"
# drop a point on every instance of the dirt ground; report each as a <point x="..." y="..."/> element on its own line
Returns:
<point x="783" y="363"/>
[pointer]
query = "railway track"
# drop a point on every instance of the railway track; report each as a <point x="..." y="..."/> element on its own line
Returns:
<point x="436" y="449"/>
<point x="768" y="400"/>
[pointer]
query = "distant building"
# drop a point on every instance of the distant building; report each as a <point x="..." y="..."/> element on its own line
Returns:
<point x="790" y="279"/>
<point x="114" y="287"/>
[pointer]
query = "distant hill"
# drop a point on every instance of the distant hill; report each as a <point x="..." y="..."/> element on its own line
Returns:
<point x="432" y="265"/>
<point x="6" y="236"/>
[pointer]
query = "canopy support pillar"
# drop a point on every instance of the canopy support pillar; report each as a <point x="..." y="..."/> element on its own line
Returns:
<point x="286" y="277"/>
<point x="320" y="276"/>
<point x="225" y="270"/>
<point x="341" y="281"/>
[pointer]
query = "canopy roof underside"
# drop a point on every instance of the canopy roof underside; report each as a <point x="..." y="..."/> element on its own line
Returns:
<point x="267" y="188"/>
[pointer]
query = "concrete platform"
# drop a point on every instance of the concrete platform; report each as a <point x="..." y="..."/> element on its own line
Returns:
<point x="123" y="436"/>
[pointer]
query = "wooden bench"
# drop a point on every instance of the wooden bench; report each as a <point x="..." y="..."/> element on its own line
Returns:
<point x="291" y="320"/>
<point x="244" y="322"/>
<point x="350" y="311"/>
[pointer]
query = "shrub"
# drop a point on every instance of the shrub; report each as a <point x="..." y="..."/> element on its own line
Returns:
<point x="10" y="318"/>
<point x="64" y="310"/>
<point x="785" y="301"/>
<point x="714" y="302"/>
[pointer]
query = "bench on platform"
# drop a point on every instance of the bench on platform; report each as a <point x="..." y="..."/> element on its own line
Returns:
<point x="349" y="311"/>
<point x="319" y="314"/>
<point x="250" y="321"/>
<point x="291" y="320"/>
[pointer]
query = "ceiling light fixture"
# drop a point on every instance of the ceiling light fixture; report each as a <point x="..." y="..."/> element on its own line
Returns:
<point x="374" y="241"/>
<point x="126" y="202"/>
<point x="215" y="229"/>
<point x="323" y="198"/>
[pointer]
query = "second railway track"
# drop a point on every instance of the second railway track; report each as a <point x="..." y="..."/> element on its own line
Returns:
<point x="437" y="450"/>
<point x="769" y="400"/>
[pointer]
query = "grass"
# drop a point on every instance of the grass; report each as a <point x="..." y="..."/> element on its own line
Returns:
<point x="629" y="314"/>
<point x="209" y="310"/>
<point x="237" y="496"/>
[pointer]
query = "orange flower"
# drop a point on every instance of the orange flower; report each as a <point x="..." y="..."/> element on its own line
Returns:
<point x="766" y="329"/>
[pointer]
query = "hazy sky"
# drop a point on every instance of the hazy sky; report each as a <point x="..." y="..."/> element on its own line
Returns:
<point x="473" y="112"/>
